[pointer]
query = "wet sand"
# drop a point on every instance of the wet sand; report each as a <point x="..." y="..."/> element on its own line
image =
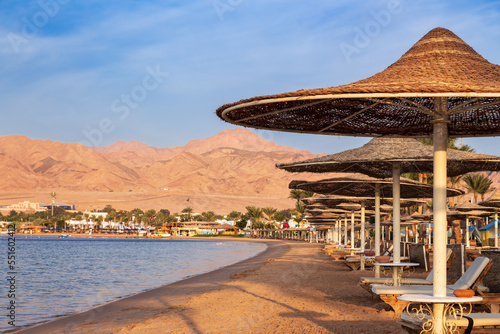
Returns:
<point x="292" y="287"/>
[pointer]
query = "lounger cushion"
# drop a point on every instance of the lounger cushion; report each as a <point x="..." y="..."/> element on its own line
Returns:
<point x="472" y="273"/>
<point x="480" y="319"/>
<point x="405" y="289"/>
<point x="465" y="282"/>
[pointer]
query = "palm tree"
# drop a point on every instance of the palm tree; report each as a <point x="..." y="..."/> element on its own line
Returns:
<point x="255" y="215"/>
<point x="279" y="216"/>
<point x="209" y="216"/>
<point x="269" y="211"/>
<point x="299" y="194"/>
<point x="299" y="209"/>
<point x="235" y="215"/>
<point x="454" y="183"/>
<point x="478" y="184"/>
<point x="295" y="194"/>
<point x="298" y="219"/>
<point x="187" y="211"/>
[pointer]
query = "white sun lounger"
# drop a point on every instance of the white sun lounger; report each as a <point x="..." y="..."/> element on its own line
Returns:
<point x="469" y="280"/>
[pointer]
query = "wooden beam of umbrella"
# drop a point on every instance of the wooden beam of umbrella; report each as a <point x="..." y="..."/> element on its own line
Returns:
<point x="333" y="201"/>
<point x="493" y="201"/>
<point x="441" y="87"/>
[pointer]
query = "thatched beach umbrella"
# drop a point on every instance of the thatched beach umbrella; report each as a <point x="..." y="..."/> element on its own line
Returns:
<point x="441" y="87"/>
<point x="493" y="201"/>
<point x="381" y="157"/>
<point x="333" y="201"/>
<point x="362" y="185"/>
<point x="377" y="157"/>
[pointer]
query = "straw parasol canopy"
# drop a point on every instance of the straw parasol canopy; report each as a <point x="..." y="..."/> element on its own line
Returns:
<point x="399" y="101"/>
<point x="492" y="201"/>
<point x="362" y="185"/>
<point x="377" y="157"/>
<point x="333" y="201"/>
<point x="472" y="206"/>
<point x="465" y="214"/>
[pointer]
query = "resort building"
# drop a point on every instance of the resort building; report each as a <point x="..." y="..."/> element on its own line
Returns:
<point x="27" y="206"/>
<point x="202" y="228"/>
<point x="95" y="215"/>
<point x="29" y="228"/>
<point x="24" y="206"/>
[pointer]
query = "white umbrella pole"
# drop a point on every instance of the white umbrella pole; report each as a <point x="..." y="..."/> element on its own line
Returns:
<point x="496" y="229"/>
<point x="377" y="226"/>
<point x="428" y="232"/>
<point x="439" y="204"/>
<point x="352" y="229"/>
<point x="345" y="231"/>
<point x="362" y="237"/>
<point x="467" y="237"/>
<point x="396" y="218"/>
<point x="339" y="231"/>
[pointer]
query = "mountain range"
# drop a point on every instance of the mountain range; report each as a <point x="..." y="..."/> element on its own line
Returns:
<point x="229" y="170"/>
<point x="232" y="162"/>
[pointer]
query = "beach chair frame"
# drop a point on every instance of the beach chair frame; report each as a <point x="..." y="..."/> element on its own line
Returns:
<point x="399" y="305"/>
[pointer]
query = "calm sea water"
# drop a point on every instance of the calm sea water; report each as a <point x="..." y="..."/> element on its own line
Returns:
<point x="61" y="276"/>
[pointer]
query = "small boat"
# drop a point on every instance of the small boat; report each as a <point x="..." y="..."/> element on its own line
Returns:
<point x="64" y="236"/>
<point x="166" y="235"/>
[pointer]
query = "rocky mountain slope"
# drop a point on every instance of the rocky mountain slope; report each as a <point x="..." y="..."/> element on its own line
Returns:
<point x="236" y="162"/>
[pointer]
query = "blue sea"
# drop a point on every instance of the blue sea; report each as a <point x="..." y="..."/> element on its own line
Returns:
<point x="59" y="276"/>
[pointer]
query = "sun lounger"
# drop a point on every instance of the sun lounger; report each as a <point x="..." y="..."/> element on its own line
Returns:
<point x="330" y="248"/>
<point x="481" y="323"/>
<point x="366" y="282"/>
<point x="469" y="280"/>
<point x="354" y="262"/>
<point x="340" y="254"/>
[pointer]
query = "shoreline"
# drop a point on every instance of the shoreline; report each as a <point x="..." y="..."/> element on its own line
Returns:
<point x="122" y="236"/>
<point x="176" y="292"/>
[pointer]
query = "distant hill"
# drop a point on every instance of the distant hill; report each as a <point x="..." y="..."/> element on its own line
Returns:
<point x="231" y="162"/>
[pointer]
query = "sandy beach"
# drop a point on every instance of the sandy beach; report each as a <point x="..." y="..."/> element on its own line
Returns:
<point x="292" y="287"/>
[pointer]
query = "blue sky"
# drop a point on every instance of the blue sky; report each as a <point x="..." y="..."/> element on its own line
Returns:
<point x="96" y="72"/>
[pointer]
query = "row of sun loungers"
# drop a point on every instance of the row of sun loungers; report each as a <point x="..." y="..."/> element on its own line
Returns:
<point x="473" y="323"/>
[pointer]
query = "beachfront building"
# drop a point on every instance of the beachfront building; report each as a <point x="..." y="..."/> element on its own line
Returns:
<point x="27" y="206"/>
<point x="201" y="228"/>
<point x="29" y="228"/>
<point x="95" y="215"/>
<point x="67" y="207"/>
<point x="24" y="207"/>
<point x="488" y="234"/>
